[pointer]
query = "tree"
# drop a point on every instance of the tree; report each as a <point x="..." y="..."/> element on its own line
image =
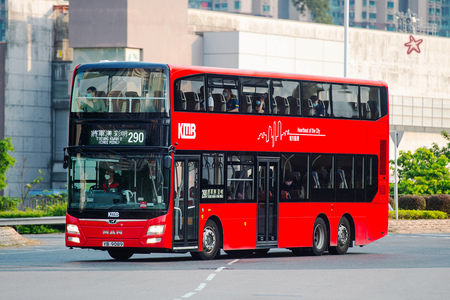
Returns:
<point x="444" y="150"/>
<point x="320" y="9"/>
<point x="6" y="160"/>
<point x="422" y="172"/>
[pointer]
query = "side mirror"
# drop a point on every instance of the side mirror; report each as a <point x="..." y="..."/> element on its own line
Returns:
<point x="66" y="161"/>
<point x="167" y="161"/>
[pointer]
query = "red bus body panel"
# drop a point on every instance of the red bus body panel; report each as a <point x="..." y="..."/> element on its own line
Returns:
<point x="238" y="132"/>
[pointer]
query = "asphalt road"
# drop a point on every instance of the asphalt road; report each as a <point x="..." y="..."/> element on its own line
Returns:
<point x="399" y="266"/>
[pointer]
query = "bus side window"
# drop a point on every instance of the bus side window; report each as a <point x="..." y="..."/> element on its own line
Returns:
<point x="293" y="166"/>
<point x="186" y="91"/>
<point x="345" y="101"/>
<point x="370" y="103"/>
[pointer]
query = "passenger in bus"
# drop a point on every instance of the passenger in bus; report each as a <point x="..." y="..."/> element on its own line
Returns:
<point x="90" y="103"/>
<point x="202" y="100"/>
<point x="319" y="110"/>
<point x="288" y="185"/>
<point x="111" y="184"/>
<point x="258" y="105"/>
<point x="232" y="101"/>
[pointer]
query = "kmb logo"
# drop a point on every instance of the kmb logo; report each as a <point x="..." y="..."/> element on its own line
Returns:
<point x="186" y="131"/>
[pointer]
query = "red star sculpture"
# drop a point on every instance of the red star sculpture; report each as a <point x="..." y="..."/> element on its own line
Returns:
<point x="413" y="45"/>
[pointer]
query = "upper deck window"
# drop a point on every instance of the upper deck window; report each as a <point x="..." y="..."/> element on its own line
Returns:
<point x="222" y="93"/>
<point x="119" y="90"/>
<point x="345" y="101"/>
<point x="255" y="95"/>
<point x="372" y="106"/>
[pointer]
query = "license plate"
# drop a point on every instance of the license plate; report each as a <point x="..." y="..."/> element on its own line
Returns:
<point x="112" y="244"/>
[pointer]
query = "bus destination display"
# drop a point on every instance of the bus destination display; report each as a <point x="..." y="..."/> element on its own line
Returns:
<point x="117" y="137"/>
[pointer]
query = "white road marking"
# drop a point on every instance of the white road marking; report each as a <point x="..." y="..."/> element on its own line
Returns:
<point x="210" y="277"/>
<point x="200" y="287"/>
<point x="232" y="262"/>
<point x="188" y="295"/>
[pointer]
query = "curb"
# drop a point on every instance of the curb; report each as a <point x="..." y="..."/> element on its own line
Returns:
<point x="419" y="226"/>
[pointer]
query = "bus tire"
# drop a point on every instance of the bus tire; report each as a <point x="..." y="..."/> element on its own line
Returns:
<point x="319" y="238"/>
<point x="120" y="254"/>
<point x="343" y="238"/>
<point x="210" y="240"/>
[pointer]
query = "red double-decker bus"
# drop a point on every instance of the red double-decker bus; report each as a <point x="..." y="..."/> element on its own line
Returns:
<point x="166" y="158"/>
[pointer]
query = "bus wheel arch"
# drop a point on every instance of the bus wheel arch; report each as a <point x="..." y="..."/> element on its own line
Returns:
<point x="211" y="240"/>
<point x="345" y="235"/>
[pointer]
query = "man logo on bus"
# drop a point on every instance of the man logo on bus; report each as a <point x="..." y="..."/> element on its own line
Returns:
<point x="186" y="131"/>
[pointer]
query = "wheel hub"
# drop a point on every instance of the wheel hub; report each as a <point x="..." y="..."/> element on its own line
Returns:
<point x="342" y="235"/>
<point x="209" y="239"/>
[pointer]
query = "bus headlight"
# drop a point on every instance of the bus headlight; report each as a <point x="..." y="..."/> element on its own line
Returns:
<point x="73" y="229"/>
<point x="73" y="239"/>
<point x="155" y="229"/>
<point x="153" y="240"/>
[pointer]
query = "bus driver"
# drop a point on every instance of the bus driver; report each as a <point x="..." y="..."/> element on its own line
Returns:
<point x="110" y="181"/>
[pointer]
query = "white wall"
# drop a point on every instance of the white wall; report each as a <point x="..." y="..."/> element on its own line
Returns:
<point x="276" y="53"/>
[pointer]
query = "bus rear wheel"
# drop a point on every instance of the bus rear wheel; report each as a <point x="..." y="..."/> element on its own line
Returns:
<point x="120" y="254"/>
<point x="211" y="241"/>
<point x="320" y="239"/>
<point x="343" y="238"/>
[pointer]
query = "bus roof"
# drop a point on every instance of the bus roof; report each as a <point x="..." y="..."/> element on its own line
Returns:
<point x="185" y="70"/>
<point x="120" y="64"/>
<point x="241" y="72"/>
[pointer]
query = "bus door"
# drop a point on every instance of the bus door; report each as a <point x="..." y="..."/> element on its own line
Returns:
<point x="267" y="201"/>
<point x="185" y="202"/>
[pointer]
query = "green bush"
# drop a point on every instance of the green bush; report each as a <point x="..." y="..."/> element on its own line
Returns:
<point x="51" y="210"/>
<point x="57" y="210"/>
<point x="8" y="203"/>
<point x="38" y="229"/>
<point x="22" y="214"/>
<point x="418" y="214"/>
<point x="412" y="202"/>
<point x="439" y="202"/>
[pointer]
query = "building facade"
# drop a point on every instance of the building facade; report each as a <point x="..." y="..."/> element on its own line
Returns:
<point x="433" y="16"/>
<point x="32" y="57"/>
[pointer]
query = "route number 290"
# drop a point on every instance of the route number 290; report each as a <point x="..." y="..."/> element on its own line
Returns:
<point x="135" y="137"/>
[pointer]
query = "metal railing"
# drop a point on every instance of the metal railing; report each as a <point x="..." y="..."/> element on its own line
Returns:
<point x="32" y="221"/>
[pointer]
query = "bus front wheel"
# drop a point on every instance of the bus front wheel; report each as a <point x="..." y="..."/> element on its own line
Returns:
<point x="320" y="239"/>
<point x="343" y="238"/>
<point x="120" y="254"/>
<point x="211" y="241"/>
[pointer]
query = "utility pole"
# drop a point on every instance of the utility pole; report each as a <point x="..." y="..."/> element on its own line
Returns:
<point x="346" y="12"/>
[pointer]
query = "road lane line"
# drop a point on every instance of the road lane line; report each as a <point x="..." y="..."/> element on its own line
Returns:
<point x="188" y="295"/>
<point x="232" y="262"/>
<point x="200" y="287"/>
<point x="220" y="269"/>
<point x="210" y="277"/>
